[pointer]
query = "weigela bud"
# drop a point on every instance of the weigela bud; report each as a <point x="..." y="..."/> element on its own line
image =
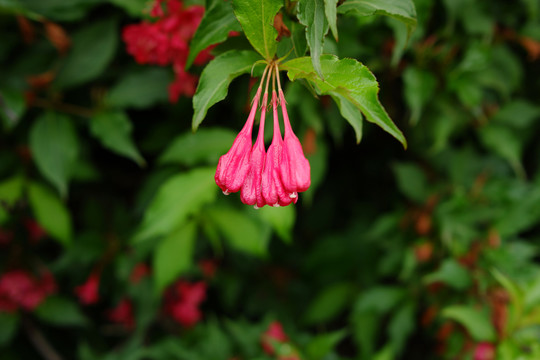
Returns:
<point x="233" y="167"/>
<point x="294" y="168"/>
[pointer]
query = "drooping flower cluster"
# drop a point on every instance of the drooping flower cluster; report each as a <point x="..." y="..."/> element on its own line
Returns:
<point x="165" y="42"/>
<point x="273" y="177"/>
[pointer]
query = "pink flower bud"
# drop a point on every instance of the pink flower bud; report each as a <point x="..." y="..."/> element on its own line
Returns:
<point x="294" y="167"/>
<point x="251" y="190"/>
<point x="272" y="189"/>
<point x="233" y="167"/>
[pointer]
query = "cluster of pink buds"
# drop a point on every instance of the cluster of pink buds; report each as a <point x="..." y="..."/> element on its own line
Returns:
<point x="273" y="177"/>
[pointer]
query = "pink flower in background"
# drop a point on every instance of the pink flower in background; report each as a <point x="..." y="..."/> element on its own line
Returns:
<point x="182" y="302"/>
<point x="6" y="236"/>
<point x="484" y="351"/>
<point x="274" y="334"/>
<point x="88" y="293"/>
<point x="139" y="272"/>
<point x="35" y="231"/>
<point x="19" y="289"/>
<point x="122" y="314"/>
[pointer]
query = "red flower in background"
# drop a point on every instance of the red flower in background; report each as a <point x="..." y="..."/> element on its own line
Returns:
<point x="484" y="351"/>
<point x="35" y="231"/>
<point x="166" y="42"/>
<point x="274" y="334"/>
<point x="19" y="289"/>
<point x="88" y="292"/>
<point x="123" y="314"/>
<point x="182" y="302"/>
<point x="139" y="272"/>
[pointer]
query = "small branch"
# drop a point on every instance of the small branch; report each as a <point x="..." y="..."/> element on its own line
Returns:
<point x="40" y="342"/>
<point x="67" y="108"/>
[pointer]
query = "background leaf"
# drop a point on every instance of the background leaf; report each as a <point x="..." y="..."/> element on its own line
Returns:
<point x="140" y="89"/>
<point x="257" y="20"/>
<point x="329" y="303"/>
<point x="60" y="311"/>
<point x="203" y="147"/>
<point x="54" y="159"/>
<point x="11" y="190"/>
<point x="179" y="197"/>
<point x="92" y="50"/>
<point x="476" y="321"/>
<point x="113" y="129"/>
<point x="243" y="232"/>
<point x="174" y="255"/>
<point x="215" y="80"/>
<point x="50" y="213"/>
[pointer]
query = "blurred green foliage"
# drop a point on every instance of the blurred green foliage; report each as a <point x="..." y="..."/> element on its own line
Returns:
<point x="427" y="253"/>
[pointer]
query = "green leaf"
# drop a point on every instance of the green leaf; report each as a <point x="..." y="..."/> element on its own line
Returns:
<point x="10" y="191"/>
<point x="243" y="232"/>
<point x="281" y="219"/>
<point x="141" y="89"/>
<point x="179" y="197"/>
<point x="321" y="345"/>
<point x="113" y="129"/>
<point x="452" y="274"/>
<point x="93" y="49"/>
<point x="214" y="28"/>
<point x="411" y="181"/>
<point x="59" y="10"/>
<point x="380" y="299"/>
<point x="311" y="13"/>
<point x="476" y="321"/>
<point x="60" y="311"/>
<point x="12" y="107"/>
<point x="350" y="79"/>
<point x="54" y="145"/>
<point x="257" y="20"/>
<point x="50" y="213"/>
<point x="352" y="114"/>
<point x="8" y="327"/>
<point x="330" y="10"/>
<point x="203" y="147"/>
<point x="215" y="80"/>
<point x="174" y="255"/>
<point x="401" y="326"/>
<point x="419" y="87"/>
<point x="504" y="142"/>
<point x="403" y="10"/>
<point x="329" y="303"/>
<point x="132" y="7"/>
